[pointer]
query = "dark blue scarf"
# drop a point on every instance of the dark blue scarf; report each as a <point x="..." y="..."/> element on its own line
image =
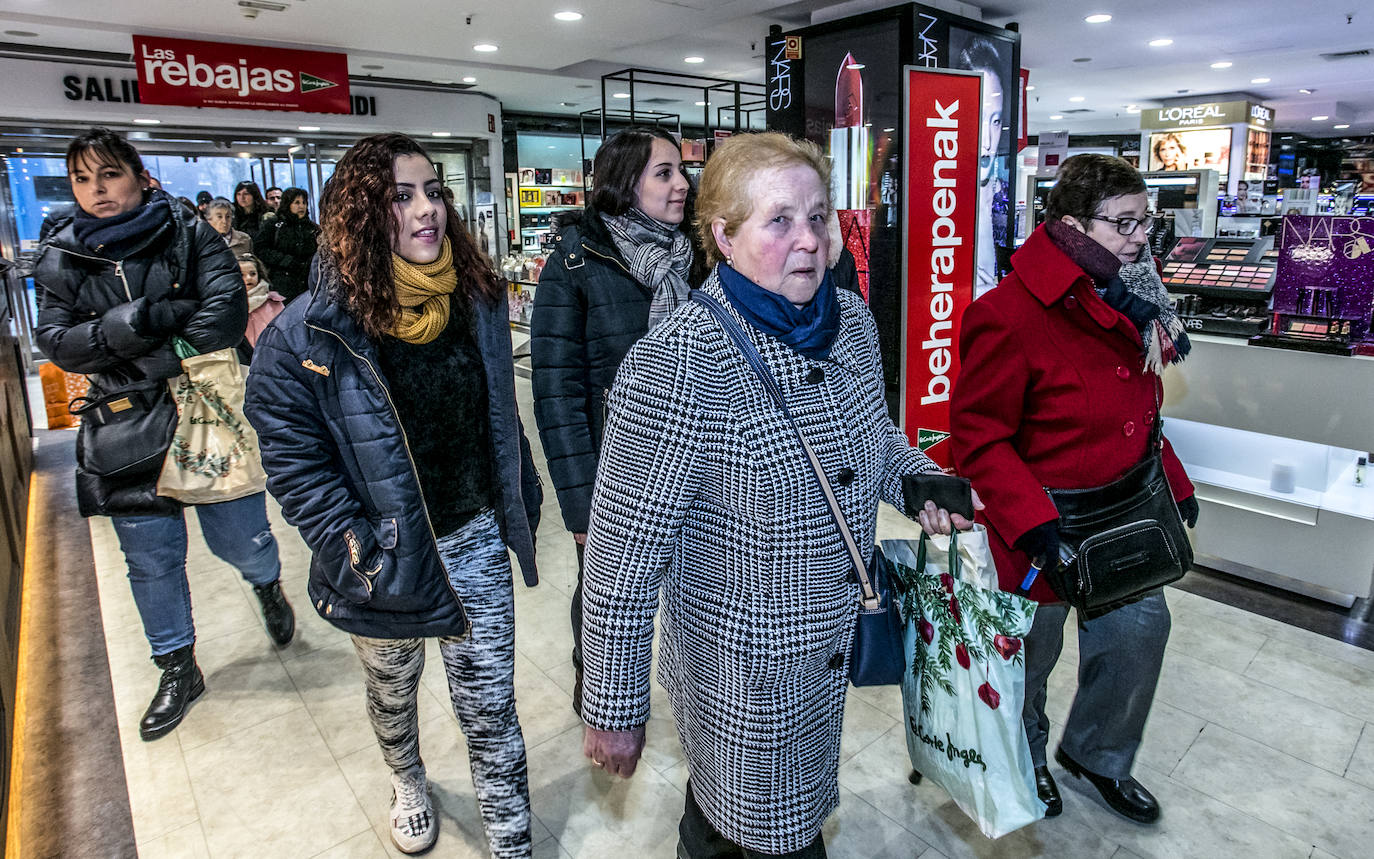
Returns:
<point x="119" y="236"/>
<point x="810" y="330"/>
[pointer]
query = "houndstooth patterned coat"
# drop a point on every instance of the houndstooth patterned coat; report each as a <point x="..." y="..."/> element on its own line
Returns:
<point x="703" y="492"/>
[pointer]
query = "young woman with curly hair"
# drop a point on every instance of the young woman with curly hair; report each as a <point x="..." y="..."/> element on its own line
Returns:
<point x="384" y="401"/>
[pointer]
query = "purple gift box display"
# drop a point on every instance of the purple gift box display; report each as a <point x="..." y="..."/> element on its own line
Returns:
<point x="1326" y="272"/>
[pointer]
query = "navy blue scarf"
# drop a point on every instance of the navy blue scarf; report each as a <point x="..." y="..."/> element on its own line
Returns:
<point x="119" y="236"/>
<point x="809" y="330"/>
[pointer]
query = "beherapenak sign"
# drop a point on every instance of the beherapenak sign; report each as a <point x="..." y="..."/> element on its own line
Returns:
<point x="192" y="73"/>
<point x="941" y="189"/>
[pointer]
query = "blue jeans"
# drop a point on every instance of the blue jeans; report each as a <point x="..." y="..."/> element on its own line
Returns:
<point x="155" y="550"/>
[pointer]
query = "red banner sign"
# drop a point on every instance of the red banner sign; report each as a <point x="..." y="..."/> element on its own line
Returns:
<point x="213" y="74"/>
<point x="943" y="125"/>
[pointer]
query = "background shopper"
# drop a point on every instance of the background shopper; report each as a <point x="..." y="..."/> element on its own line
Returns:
<point x="264" y="303"/>
<point x="287" y="243"/>
<point x="249" y="208"/>
<point x="385" y="404"/>
<point x="703" y="492"/>
<point x="620" y="266"/>
<point x="219" y="213"/>
<point x="1061" y="386"/>
<point x="123" y="273"/>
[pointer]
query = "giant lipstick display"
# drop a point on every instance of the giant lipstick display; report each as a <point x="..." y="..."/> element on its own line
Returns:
<point x="849" y="158"/>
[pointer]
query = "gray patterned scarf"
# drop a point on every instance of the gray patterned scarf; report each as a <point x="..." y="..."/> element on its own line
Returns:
<point x="659" y="256"/>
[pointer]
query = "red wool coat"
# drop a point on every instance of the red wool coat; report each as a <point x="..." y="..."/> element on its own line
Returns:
<point x="1052" y="393"/>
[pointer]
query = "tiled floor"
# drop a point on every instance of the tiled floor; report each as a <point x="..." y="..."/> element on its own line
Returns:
<point x="1260" y="743"/>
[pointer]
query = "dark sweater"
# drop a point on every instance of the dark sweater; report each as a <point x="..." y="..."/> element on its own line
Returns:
<point x="440" y="392"/>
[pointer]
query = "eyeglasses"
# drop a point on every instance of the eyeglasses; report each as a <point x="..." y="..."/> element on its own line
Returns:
<point x="1128" y="226"/>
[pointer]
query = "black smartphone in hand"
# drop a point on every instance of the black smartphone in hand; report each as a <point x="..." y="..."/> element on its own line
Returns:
<point x="954" y="494"/>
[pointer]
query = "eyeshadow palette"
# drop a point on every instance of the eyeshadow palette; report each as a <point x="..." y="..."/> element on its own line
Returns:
<point x="1225" y="267"/>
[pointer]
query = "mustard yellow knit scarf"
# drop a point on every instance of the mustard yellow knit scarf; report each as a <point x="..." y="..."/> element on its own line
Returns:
<point x="423" y="292"/>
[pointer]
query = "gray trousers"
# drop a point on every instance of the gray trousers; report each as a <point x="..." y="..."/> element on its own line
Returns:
<point x="1119" y="657"/>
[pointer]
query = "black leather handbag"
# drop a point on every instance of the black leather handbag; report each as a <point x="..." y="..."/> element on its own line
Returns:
<point x="1127" y="537"/>
<point x="877" y="656"/>
<point x="125" y="433"/>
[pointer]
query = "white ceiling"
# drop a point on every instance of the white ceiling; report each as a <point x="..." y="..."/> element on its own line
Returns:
<point x="549" y="66"/>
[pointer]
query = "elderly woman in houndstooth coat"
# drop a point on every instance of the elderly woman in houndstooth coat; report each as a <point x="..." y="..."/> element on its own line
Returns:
<point x="704" y="492"/>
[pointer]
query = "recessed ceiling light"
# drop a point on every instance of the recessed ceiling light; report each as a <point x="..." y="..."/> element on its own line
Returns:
<point x="567" y="103"/>
<point x="551" y="146"/>
<point x="1306" y="91"/>
<point x="694" y="60"/>
<point x="147" y="122"/>
<point x="620" y="95"/>
<point x="245" y="155"/>
<point x="1222" y="64"/>
<point x="372" y="67"/>
<point x="1133" y="110"/>
<point x="308" y="128"/>
<point x="888" y="130"/>
<point x="484" y="47"/>
<point x="568" y="15"/>
<point x="1030" y="87"/>
<point x="1342" y="125"/>
<point x="1259" y="80"/>
<point x="699" y="103"/>
<point x="469" y="80"/>
<point x="1322" y="118"/>
<point x="1161" y="43"/>
<point x="23" y="34"/>
<point x="1098" y="19"/>
<point x="1057" y="116"/>
<point x="1076" y="98"/>
<point x="441" y="134"/>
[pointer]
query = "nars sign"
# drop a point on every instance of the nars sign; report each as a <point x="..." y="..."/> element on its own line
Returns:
<point x="1208" y="114"/>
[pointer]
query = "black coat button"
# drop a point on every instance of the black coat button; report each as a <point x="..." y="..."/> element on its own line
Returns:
<point x="837" y="662"/>
<point x="852" y="577"/>
<point x="816" y="376"/>
<point x="845" y="476"/>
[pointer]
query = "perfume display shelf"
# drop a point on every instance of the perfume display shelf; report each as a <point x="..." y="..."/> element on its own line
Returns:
<point x="1271" y="438"/>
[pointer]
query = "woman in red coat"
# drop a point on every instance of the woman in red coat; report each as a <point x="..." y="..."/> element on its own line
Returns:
<point x="1060" y="388"/>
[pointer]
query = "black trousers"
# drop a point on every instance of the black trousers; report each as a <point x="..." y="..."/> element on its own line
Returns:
<point x="700" y="840"/>
<point x="577" y="611"/>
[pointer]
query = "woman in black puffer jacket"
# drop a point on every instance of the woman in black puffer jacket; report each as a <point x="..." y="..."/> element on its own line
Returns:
<point x="620" y="267"/>
<point x="287" y="243"/>
<point x="122" y="274"/>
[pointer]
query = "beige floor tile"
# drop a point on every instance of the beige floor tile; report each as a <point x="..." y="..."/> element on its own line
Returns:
<point x="1307" y="802"/>
<point x="1361" y="768"/>
<point x="1283" y="721"/>
<point x="1318" y="853"/>
<point x="245" y="686"/>
<point x="887" y="699"/>
<point x="1123" y="853"/>
<point x="330" y="682"/>
<point x="543" y="629"/>
<point x="188" y="842"/>
<point x="446" y="763"/>
<point x="1341" y="686"/>
<point x="545" y="709"/>
<point x="297" y="800"/>
<point x="863" y="724"/>
<point x="1223" y="645"/>
<point x="878" y="776"/>
<point x="160" y="798"/>
<point x="1169" y="733"/>
<point x="1191" y="823"/>
<point x="364" y="845"/>
<point x="857" y="830"/>
<point x="595" y="814"/>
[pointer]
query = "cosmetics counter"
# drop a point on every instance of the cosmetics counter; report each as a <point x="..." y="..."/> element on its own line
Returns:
<point x="1272" y="439"/>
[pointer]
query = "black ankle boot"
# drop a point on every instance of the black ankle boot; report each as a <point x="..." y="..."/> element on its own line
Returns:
<point x="181" y="684"/>
<point x="281" y="620"/>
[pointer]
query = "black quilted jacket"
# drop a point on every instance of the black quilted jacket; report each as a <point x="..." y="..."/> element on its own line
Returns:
<point x="86" y="323"/>
<point x="287" y="243"/>
<point x="588" y="311"/>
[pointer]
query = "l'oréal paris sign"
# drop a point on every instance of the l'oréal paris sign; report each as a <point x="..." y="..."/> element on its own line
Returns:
<point x="192" y="73"/>
<point x="1206" y="115"/>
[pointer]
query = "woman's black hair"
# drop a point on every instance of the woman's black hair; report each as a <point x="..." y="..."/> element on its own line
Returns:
<point x="289" y="196"/>
<point x="1084" y="181"/>
<point x="619" y="163"/>
<point x="259" y="202"/>
<point x="105" y="147"/>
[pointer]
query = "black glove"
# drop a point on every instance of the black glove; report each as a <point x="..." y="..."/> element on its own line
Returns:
<point x="1041" y="543"/>
<point x="158" y="319"/>
<point x="1188" y="510"/>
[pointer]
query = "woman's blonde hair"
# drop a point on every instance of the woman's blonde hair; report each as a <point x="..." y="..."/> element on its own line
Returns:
<point x="726" y="185"/>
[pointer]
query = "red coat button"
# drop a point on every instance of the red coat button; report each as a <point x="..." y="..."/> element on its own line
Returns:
<point x="1128" y="428"/>
<point x="1149" y="417"/>
<point x="1122" y="373"/>
<point x="1071" y="302"/>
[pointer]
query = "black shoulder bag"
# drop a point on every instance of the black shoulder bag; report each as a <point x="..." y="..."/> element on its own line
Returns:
<point x="877" y="657"/>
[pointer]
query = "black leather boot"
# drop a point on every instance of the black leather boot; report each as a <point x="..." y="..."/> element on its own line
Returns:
<point x="1126" y="797"/>
<point x="1048" y="792"/>
<point x="281" y="620"/>
<point x="181" y="684"/>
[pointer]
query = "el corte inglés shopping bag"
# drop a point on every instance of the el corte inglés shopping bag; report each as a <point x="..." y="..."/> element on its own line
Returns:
<point x="963" y="691"/>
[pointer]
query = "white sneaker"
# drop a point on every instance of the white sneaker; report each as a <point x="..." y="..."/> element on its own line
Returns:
<point x="414" y="828"/>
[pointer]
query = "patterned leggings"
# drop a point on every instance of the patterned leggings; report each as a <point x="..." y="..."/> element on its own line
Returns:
<point x="481" y="683"/>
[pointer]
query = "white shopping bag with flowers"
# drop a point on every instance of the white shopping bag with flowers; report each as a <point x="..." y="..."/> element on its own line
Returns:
<point x="963" y="693"/>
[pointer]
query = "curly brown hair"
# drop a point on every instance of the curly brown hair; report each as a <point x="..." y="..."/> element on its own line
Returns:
<point x="357" y="224"/>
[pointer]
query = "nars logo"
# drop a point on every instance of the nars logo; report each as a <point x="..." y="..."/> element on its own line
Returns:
<point x="930" y="49"/>
<point x="780" y="77"/>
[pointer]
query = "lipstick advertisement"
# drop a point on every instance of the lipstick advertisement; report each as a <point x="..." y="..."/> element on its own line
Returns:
<point x="939" y="265"/>
<point x="849" y="158"/>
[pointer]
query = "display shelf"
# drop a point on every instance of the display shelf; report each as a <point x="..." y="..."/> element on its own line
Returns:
<point x="537" y="210"/>
<point x="577" y="185"/>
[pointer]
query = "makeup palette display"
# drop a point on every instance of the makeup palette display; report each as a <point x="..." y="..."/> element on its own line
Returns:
<point x="1325" y="285"/>
<point x="1225" y="283"/>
